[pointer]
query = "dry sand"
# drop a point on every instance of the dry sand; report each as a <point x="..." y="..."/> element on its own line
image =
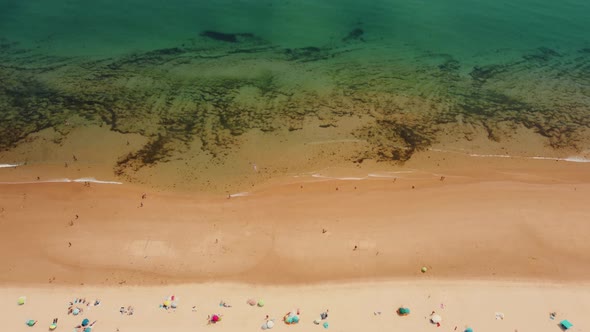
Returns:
<point x="526" y="307"/>
<point x="517" y="229"/>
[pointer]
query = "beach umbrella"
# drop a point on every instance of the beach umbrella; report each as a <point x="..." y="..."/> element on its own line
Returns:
<point x="566" y="324"/>
<point x="403" y="311"/>
<point x="270" y="324"/>
<point x="76" y="311"/>
<point x="88" y="329"/>
<point x="295" y="319"/>
<point x="31" y="322"/>
<point x="261" y="303"/>
<point x="21" y="300"/>
<point x="326" y="325"/>
<point x="251" y="302"/>
<point x="424" y="269"/>
<point x="52" y="327"/>
<point x="435" y="319"/>
<point x="85" y="322"/>
<point x="468" y="329"/>
<point x="167" y="303"/>
<point x="173" y="305"/>
<point x="215" y="318"/>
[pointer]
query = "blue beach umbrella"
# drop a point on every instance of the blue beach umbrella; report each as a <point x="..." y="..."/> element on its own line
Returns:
<point x="85" y="322"/>
<point x="326" y="325"/>
<point x="468" y="329"/>
<point x="88" y="329"/>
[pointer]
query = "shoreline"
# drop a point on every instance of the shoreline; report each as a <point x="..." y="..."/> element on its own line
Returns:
<point x="527" y="219"/>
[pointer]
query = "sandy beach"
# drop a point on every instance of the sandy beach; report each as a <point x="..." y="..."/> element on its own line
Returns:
<point x="496" y="234"/>
<point x="352" y="307"/>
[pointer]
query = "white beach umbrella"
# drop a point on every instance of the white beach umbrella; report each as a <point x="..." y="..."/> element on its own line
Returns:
<point x="270" y="324"/>
<point x="435" y="319"/>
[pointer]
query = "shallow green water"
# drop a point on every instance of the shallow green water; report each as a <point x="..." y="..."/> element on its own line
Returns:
<point x="457" y="27"/>
<point x="419" y="69"/>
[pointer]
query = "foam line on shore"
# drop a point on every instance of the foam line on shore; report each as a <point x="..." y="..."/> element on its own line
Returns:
<point x="574" y="159"/>
<point x="338" y="178"/>
<point x="9" y="165"/>
<point x="65" y="180"/>
<point x="242" y="194"/>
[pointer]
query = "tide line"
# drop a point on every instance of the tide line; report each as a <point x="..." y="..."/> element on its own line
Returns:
<point x="9" y="165"/>
<point x="242" y="194"/>
<point x="337" y="178"/>
<point x="573" y="159"/>
<point x="65" y="180"/>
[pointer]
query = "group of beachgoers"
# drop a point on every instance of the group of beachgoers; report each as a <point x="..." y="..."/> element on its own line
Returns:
<point x="76" y="306"/>
<point x="291" y="317"/>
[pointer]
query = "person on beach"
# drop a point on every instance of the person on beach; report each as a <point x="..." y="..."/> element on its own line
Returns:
<point x="212" y="319"/>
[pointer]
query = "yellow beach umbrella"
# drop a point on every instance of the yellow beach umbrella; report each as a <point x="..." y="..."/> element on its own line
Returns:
<point x="167" y="303"/>
<point x="52" y="327"/>
<point x="21" y="300"/>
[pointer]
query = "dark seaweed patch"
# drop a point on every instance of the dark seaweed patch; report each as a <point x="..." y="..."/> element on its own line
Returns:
<point x="392" y="140"/>
<point x="355" y="34"/>
<point x="306" y="54"/>
<point x="137" y="94"/>
<point x="542" y="54"/>
<point x="154" y="151"/>
<point x="482" y="74"/>
<point x="226" y="37"/>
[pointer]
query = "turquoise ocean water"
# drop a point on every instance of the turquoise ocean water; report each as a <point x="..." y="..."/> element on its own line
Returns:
<point x="458" y="27"/>
<point x="181" y="71"/>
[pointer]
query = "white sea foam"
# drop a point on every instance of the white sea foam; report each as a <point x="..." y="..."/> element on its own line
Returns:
<point x="9" y="165"/>
<point x="388" y="174"/>
<point x="65" y="180"/>
<point x="240" y="194"/>
<point x="490" y="155"/>
<point x="337" y="178"/>
<point x="345" y="140"/>
<point x="573" y="159"/>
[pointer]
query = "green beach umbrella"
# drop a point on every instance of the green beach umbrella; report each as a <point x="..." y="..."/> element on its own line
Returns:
<point x="566" y="324"/>
<point x="261" y="303"/>
<point x="326" y="325"/>
<point x="31" y="322"/>
<point x="403" y="311"/>
<point x="468" y="329"/>
<point x="21" y="300"/>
